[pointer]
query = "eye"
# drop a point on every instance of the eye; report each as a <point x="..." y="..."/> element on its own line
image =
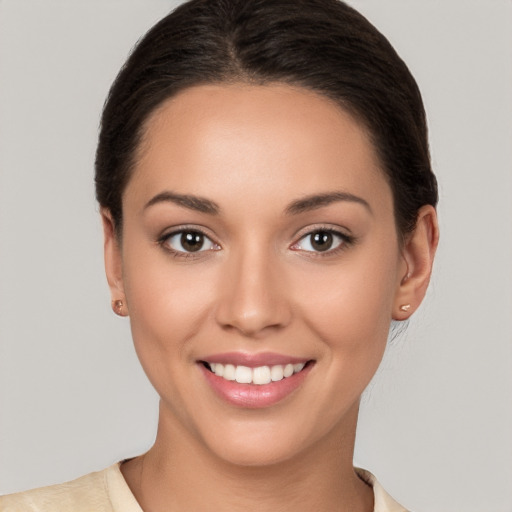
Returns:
<point x="189" y="241"/>
<point x="322" y="240"/>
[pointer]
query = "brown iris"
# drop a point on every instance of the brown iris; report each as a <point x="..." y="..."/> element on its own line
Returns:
<point x="192" y="241"/>
<point x="321" y="240"/>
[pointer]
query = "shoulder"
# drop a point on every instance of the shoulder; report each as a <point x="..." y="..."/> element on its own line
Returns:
<point x="383" y="501"/>
<point x="102" y="491"/>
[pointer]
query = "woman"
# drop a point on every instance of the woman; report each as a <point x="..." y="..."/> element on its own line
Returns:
<point x="268" y="208"/>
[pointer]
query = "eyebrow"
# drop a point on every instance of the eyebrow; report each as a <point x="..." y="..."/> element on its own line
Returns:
<point x="316" y="201"/>
<point x="305" y="204"/>
<point x="199" y="204"/>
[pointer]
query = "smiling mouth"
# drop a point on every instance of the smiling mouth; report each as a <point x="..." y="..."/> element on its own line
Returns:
<point x="258" y="376"/>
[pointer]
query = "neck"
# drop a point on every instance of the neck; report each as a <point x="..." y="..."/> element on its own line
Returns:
<point x="179" y="473"/>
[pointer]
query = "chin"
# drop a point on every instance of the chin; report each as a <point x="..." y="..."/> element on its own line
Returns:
<point x="261" y="442"/>
<point x="253" y="453"/>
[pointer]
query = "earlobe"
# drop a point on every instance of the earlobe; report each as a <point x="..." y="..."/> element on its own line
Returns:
<point x="418" y="256"/>
<point x="113" y="264"/>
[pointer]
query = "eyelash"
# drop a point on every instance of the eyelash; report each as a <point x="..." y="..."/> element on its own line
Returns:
<point x="346" y="241"/>
<point x="163" y="241"/>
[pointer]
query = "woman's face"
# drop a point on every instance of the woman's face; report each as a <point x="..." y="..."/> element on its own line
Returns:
<point x="258" y="232"/>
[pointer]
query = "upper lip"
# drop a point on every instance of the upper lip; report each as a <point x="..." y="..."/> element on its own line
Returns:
<point x="253" y="360"/>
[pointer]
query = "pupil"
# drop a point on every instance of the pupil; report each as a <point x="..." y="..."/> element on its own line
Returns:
<point x="322" y="241"/>
<point x="192" y="242"/>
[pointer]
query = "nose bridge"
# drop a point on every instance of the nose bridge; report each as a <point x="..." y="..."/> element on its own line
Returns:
<point x="253" y="298"/>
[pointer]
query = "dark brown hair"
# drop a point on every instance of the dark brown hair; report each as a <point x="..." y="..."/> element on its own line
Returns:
<point x="322" y="45"/>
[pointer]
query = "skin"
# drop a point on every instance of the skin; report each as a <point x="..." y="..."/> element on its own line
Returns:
<point x="258" y="287"/>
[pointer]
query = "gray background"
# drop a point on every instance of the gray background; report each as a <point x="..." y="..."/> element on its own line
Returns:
<point x="436" y="423"/>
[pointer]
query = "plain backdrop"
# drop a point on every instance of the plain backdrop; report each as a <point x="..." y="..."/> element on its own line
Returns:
<point x="436" y="423"/>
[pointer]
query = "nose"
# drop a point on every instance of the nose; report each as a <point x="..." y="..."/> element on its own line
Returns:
<point x="252" y="295"/>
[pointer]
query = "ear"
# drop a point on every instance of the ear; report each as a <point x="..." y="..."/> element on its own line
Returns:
<point x="418" y="257"/>
<point x="113" y="263"/>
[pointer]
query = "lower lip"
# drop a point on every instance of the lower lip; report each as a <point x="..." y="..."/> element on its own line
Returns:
<point x="254" y="396"/>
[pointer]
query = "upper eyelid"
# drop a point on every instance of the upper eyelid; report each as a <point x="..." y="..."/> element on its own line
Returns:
<point x="168" y="232"/>
<point x="338" y="230"/>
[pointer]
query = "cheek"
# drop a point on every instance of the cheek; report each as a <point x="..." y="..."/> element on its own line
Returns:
<point x="348" y="311"/>
<point x="167" y="304"/>
<point x="350" y="305"/>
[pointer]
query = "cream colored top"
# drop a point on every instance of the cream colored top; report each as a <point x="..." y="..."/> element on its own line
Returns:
<point x="107" y="491"/>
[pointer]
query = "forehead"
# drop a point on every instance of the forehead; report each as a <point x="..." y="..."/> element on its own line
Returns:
<point x="273" y="140"/>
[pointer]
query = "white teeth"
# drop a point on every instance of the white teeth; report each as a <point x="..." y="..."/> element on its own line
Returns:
<point x="259" y="375"/>
<point x="243" y="375"/>
<point x="276" y="373"/>
<point x="288" y="370"/>
<point x="229" y="372"/>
